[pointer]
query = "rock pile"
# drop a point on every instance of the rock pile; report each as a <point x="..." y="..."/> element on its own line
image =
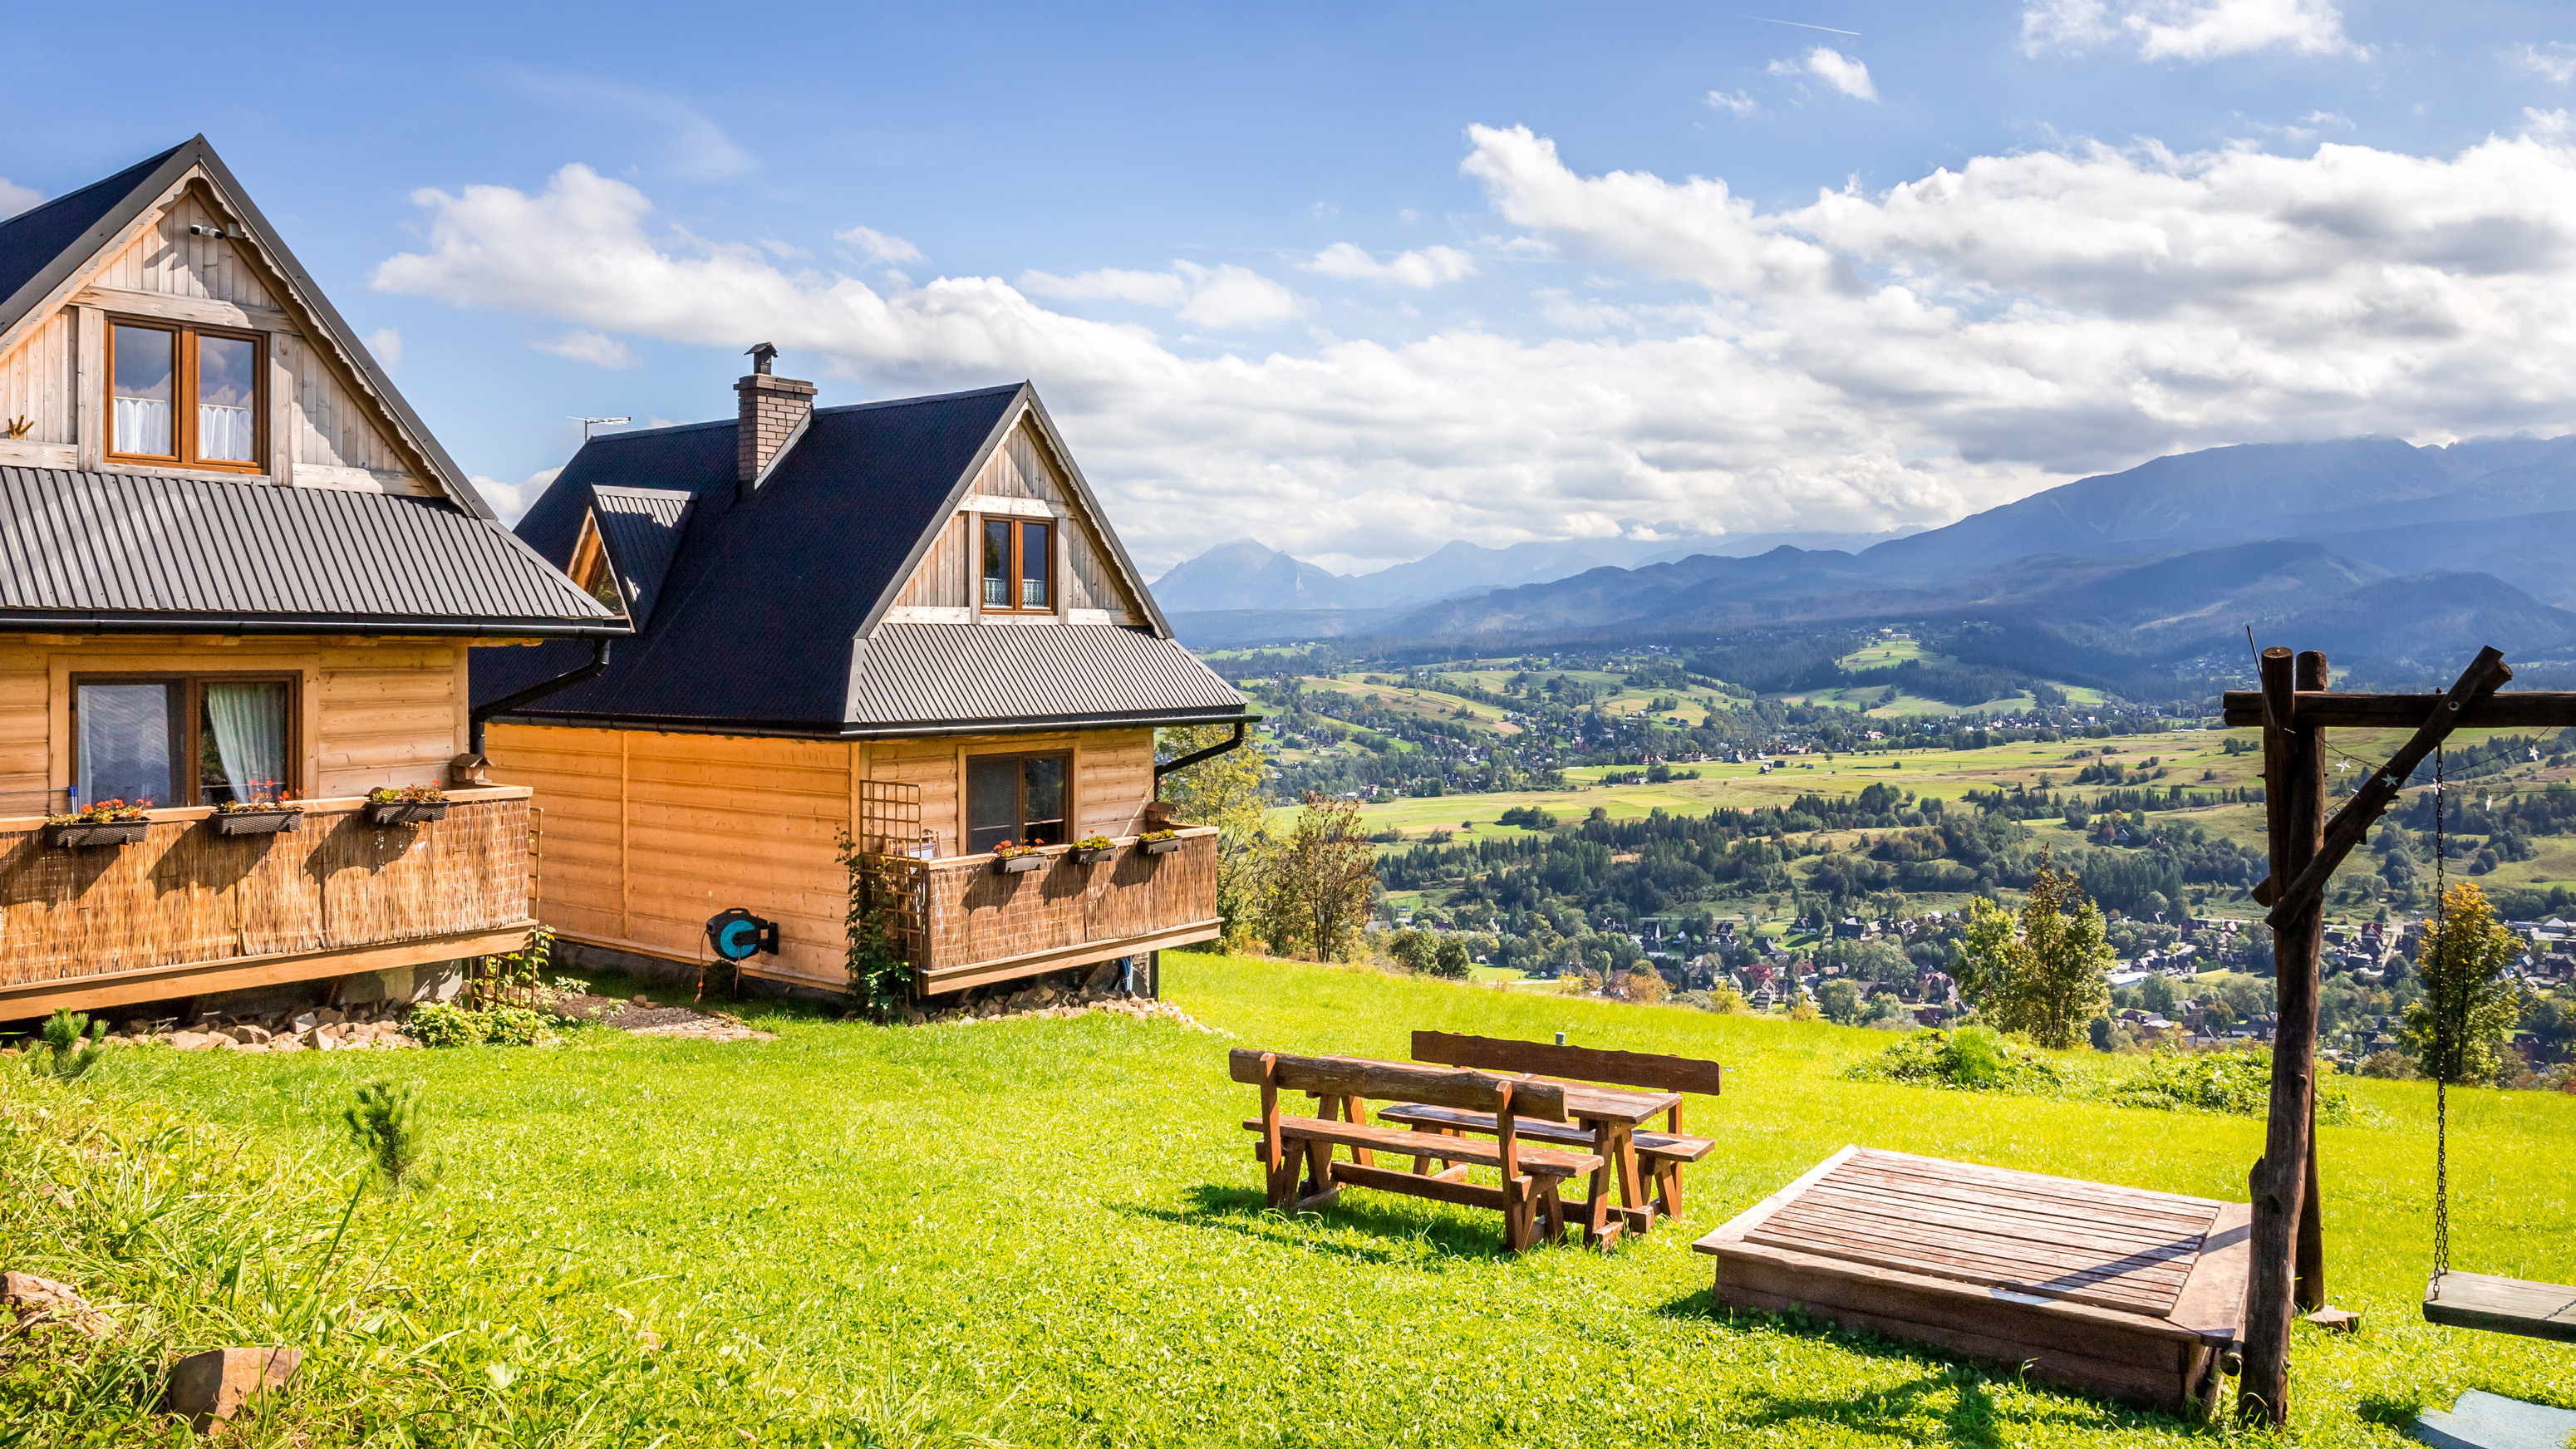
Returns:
<point x="328" y="1028"/>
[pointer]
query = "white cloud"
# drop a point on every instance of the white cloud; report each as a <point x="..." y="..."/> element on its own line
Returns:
<point x="1861" y="361"/>
<point x="1422" y="269"/>
<point x="511" y="500"/>
<point x="686" y="143"/>
<point x="876" y="246"/>
<point x="386" y="344"/>
<point x="15" y="198"/>
<point x="1735" y="104"/>
<point x="1220" y="298"/>
<point x="2547" y="123"/>
<point x="2556" y="60"/>
<point x="1832" y="67"/>
<point x="595" y="348"/>
<point x="2195" y="30"/>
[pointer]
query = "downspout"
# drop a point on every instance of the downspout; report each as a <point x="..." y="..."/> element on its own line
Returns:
<point x="1210" y="753"/>
<point x="473" y="757"/>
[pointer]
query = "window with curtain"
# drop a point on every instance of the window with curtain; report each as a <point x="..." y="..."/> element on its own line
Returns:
<point x="1019" y="798"/>
<point x="184" y="395"/>
<point x="182" y="739"/>
<point x="1019" y="566"/>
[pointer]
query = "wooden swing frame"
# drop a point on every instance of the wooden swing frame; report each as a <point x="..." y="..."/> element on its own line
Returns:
<point x="2294" y="709"/>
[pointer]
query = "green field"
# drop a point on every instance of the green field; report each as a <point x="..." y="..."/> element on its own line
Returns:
<point x="1050" y="1232"/>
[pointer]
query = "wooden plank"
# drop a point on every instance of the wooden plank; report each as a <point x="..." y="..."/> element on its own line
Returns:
<point x="1735" y="1228"/>
<point x="1663" y="1146"/>
<point x="2036" y="1182"/>
<point x="1364" y="1138"/>
<point x="1383" y="1081"/>
<point x="2516" y="709"/>
<point x="1917" y="1297"/>
<point x="2502" y="1305"/>
<point x="1589" y="1064"/>
<point x="2101" y="1215"/>
<point x="1437" y="1189"/>
<point x="197" y="978"/>
<point x="2212" y="1301"/>
<point x="1996" y="1235"/>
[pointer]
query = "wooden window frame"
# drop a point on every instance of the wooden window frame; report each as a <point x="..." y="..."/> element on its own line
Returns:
<point x="965" y="778"/>
<point x="1017" y="527"/>
<point x="183" y="395"/>
<point x="191" y="737"/>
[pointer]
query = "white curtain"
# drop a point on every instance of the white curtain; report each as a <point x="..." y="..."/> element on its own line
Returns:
<point x="142" y="425"/>
<point x="125" y="743"/>
<point x="249" y="725"/>
<point x="223" y="433"/>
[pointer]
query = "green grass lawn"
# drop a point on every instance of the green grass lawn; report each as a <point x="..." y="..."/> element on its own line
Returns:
<point x="1051" y="1232"/>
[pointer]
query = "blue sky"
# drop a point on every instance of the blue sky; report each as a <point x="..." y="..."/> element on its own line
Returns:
<point x="1358" y="280"/>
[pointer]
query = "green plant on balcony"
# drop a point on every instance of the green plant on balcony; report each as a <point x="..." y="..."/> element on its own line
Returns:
<point x="105" y="812"/>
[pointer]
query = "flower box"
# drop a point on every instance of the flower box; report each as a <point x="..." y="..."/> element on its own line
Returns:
<point x="84" y="835"/>
<point x="1093" y="854"/>
<point x="405" y="812"/>
<point x="256" y="822"/>
<point x="1018" y="864"/>
<point x="1160" y="847"/>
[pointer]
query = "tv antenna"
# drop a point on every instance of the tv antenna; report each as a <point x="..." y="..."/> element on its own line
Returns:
<point x="588" y="423"/>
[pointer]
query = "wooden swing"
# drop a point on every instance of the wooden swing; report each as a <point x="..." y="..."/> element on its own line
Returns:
<point x="2295" y="708"/>
<point x="2456" y="1299"/>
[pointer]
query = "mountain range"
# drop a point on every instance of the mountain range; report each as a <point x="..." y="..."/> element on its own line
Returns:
<point x="2368" y="547"/>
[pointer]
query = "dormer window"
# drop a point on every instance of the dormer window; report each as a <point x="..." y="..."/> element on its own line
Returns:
<point x="591" y="570"/>
<point x="1019" y="566"/>
<point x="184" y="395"/>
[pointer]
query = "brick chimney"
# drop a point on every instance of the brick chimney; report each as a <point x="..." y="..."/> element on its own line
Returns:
<point x="770" y="411"/>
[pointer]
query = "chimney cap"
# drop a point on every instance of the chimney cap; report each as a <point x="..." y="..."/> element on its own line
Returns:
<point x="762" y="354"/>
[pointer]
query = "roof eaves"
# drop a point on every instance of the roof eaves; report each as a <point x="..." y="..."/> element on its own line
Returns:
<point x="1099" y="519"/>
<point x="174" y="163"/>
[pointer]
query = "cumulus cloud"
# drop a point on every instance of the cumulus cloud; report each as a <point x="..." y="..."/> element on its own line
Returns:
<point x="15" y="198"/>
<point x="596" y="348"/>
<point x="1832" y="67"/>
<point x="386" y="344"/>
<point x="511" y="500"/>
<point x="1860" y="361"/>
<point x="876" y="246"/>
<point x="1220" y="298"/>
<point x="2195" y="30"/>
<point x="1422" y="269"/>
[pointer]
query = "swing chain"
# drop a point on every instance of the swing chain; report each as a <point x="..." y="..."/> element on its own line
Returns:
<point x="2436" y="981"/>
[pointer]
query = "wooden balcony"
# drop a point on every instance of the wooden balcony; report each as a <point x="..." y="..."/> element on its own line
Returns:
<point x="973" y="926"/>
<point x="185" y="911"/>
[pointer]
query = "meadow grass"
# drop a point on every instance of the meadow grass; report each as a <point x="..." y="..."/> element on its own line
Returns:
<point x="1051" y="1232"/>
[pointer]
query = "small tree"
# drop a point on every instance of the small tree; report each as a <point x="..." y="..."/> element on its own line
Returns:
<point x="1450" y="961"/>
<point x="1413" y="950"/>
<point x="69" y="1046"/>
<point x="1646" y="986"/>
<point x="1231" y="792"/>
<point x="1839" y="1000"/>
<point x="2043" y="972"/>
<point x="384" y="1122"/>
<point x="2463" y="959"/>
<point x="1322" y="877"/>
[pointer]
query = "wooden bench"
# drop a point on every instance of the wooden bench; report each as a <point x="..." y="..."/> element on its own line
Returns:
<point x="1661" y="1155"/>
<point x="1528" y="1198"/>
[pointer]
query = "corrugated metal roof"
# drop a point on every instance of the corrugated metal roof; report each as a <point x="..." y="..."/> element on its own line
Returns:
<point x="642" y="528"/>
<point x="89" y="546"/>
<point x="953" y="674"/>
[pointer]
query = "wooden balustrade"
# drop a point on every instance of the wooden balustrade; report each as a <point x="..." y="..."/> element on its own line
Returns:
<point x="186" y="910"/>
<point x="968" y="925"/>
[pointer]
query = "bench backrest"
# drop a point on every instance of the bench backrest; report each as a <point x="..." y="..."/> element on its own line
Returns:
<point x="1438" y="1086"/>
<point x="1582" y="1064"/>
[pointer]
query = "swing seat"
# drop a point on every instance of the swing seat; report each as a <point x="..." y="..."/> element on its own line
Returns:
<point x="2502" y="1305"/>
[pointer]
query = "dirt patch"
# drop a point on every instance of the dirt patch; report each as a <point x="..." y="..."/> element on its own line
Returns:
<point x="646" y="1019"/>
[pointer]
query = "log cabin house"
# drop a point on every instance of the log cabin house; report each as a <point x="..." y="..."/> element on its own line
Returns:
<point x="234" y="566"/>
<point x="906" y="620"/>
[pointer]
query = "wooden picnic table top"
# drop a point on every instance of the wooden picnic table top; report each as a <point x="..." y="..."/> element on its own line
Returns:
<point x="1582" y="1099"/>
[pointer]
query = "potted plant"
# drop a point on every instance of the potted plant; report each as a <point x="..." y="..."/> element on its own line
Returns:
<point x="1012" y="858"/>
<point x="261" y="815"/>
<point x="1159" y="842"/>
<point x="108" y="822"/>
<point x="1093" y="850"/>
<point x="410" y="805"/>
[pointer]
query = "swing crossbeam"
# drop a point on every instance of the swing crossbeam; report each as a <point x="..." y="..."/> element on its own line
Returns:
<point x="2502" y="1305"/>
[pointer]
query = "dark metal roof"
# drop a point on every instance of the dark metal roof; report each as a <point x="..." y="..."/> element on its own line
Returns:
<point x="641" y="529"/>
<point x="83" y="550"/>
<point x="41" y="248"/>
<point x="910" y="675"/>
<point x="757" y="626"/>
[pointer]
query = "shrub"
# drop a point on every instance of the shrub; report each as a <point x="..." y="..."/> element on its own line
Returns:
<point x="443" y="1024"/>
<point x="1449" y="960"/>
<point x="2391" y="1066"/>
<point x="513" y="1026"/>
<point x="1970" y="1059"/>
<point x="2236" y="1083"/>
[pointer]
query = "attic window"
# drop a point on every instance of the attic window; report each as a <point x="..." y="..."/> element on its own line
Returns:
<point x="590" y="568"/>
<point x="185" y="395"/>
<point x="1019" y="566"/>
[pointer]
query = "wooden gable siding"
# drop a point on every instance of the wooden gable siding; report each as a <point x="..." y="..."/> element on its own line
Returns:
<point x="1019" y="471"/>
<point x="168" y="260"/>
<point x="644" y="836"/>
<point x="334" y="442"/>
<point x="36" y="383"/>
<point x="379" y="714"/>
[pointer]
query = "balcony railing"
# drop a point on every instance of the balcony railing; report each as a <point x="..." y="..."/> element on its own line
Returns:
<point x="967" y="924"/>
<point x="186" y="910"/>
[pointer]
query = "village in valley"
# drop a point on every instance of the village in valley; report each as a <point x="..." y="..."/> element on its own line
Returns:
<point x="1722" y="894"/>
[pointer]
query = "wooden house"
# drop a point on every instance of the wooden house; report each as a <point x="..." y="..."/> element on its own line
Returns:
<point x="905" y="621"/>
<point x="234" y="566"/>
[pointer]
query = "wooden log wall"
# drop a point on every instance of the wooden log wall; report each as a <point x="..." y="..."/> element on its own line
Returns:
<point x="185" y="894"/>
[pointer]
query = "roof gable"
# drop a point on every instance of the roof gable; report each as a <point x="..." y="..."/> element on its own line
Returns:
<point x="641" y="529"/>
<point x="51" y="251"/>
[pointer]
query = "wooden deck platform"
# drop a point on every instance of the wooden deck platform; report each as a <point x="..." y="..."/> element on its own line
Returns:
<point x="2115" y="1291"/>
